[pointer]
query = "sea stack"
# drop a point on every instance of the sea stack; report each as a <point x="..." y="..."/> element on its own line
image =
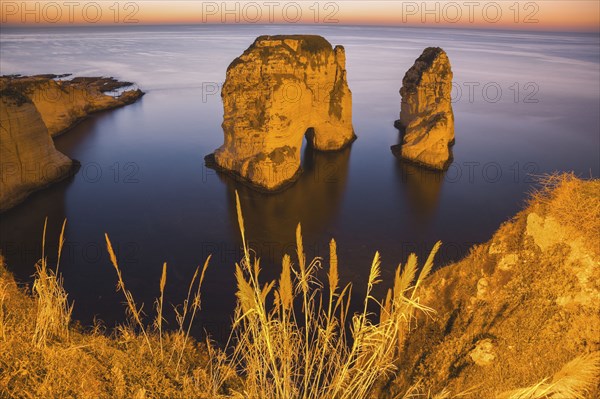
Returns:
<point x="426" y="111"/>
<point x="281" y="89"/>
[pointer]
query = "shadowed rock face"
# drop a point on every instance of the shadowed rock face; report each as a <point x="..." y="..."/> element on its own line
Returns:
<point x="29" y="160"/>
<point x="426" y="111"/>
<point x="278" y="89"/>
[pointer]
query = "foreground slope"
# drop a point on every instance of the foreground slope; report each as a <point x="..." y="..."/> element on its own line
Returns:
<point x="518" y="308"/>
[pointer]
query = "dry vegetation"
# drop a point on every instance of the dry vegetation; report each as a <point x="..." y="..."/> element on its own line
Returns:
<point x="294" y="337"/>
<point x="291" y="338"/>
<point x="573" y="202"/>
<point x="519" y="317"/>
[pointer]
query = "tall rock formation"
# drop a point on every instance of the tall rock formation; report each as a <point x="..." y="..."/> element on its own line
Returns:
<point x="28" y="159"/>
<point x="426" y="111"/>
<point x="279" y="90"/>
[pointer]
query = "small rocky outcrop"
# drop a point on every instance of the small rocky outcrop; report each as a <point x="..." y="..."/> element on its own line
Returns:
<point x="426" y="115"/>
<point x="279" y="90"/>
<point x="28" y="159"/>
<point x="34" y="108"/>
<point x="62" y="103"/>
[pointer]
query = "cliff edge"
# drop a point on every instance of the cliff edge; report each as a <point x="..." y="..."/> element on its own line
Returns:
<point x="520" y="315"/>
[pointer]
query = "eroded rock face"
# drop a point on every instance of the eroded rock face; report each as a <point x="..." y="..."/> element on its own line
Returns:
<point x="280" y="88"/>
<point x="426" y="111"/>
<point x="28" y="159"/>
<point x="62" y="103"/>
<point x="34" y="108"/>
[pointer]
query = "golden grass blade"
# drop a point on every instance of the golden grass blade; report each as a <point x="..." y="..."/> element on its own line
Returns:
<point x="429" y="263"/>
<point x="135" y="312"/>
<point x="285" y="284"/>
<point x="333" y="268"/>
<point x="240" y="217"/>
<point x="375" y="272"/>
<point x="577" y="378"/>
<point x="163" y="278"/>
<point x="196" y="305"/>
<point x="61" y="241"/>
<point x="44" y="239"/>
<point x="408" y="275"/>
<point x="159" y="316"/>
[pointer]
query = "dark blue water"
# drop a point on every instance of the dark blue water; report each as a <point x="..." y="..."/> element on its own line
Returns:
<point x="525" y="104"/>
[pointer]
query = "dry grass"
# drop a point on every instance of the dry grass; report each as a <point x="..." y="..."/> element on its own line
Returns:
<point x="291" y="338"/>
<point x="574" y="381"/>
<point x="43" y="356"/>
<point x="53" y="310"/>
<point x="571" y="201"/>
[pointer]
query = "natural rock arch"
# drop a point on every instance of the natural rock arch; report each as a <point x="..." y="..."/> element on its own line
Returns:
<point x="280" y="90"/>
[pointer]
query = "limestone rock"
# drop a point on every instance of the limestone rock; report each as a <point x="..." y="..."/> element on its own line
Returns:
<point x="279" y="90"/>
<point x="483" y="354"/>
<point x="34" y="108"/>
<point x="28" y="159"/>
<point x="62" y="103"/>
<point x="426" y="111"/>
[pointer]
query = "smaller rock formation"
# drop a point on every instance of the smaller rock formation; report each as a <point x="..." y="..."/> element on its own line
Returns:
<point x="426" y="111"/>
<point x="281" y="89"/>
<point x="34" y="108"/>
<point x="62" y="103"/>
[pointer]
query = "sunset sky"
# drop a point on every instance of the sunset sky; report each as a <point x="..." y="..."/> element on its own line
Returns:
<point x="538" y="15"/>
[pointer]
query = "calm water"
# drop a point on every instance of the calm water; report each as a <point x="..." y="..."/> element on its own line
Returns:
<point x="525" y="104"/>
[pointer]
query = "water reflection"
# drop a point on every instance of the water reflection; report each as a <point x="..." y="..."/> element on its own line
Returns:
<point x="422" y="188"/>
<point x="271" y="218"/>
<point x="21" y="228"/>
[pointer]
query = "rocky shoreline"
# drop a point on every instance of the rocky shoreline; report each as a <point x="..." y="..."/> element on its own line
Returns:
<point x="34" y="110"/>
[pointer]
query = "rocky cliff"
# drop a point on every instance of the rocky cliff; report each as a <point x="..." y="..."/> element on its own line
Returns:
<point x="62" y="103"/>
<point x="279" y="90"/>
<point x="426" y="111"/>
<point x="34" y="108"/>
<point x="28" y="159"/>
<point x="521" y="313"/>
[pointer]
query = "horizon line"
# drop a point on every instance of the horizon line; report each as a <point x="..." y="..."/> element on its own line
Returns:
<point x="503" y="28"/>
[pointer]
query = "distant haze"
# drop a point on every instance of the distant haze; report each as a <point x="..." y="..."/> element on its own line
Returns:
<point x="574" y="15"/>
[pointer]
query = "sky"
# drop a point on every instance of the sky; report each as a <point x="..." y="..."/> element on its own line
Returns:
<point x="573" y="15"/>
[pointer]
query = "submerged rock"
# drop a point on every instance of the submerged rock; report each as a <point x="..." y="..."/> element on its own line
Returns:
<point x="62" y="103"/>
<point x="28" y="159"/>
<point x="426" y="111"/>
<point x="279" y="90"/>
